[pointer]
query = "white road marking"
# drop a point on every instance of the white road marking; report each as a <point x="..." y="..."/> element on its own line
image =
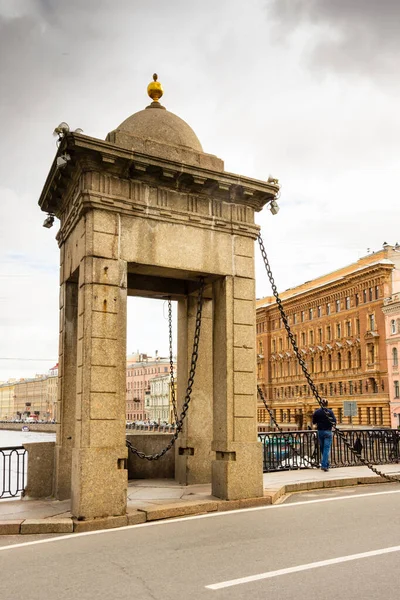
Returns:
<point x="195" y="517"/>
<point x="306" y="567"/>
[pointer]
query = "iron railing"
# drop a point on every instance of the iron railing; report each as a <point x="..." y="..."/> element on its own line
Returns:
<point x="300" y="449"/>
<point x="13" y="465"/>
<point x="148" y="427"/>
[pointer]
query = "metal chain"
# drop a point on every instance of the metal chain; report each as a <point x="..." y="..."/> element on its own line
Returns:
<point x="271" y="414"/>
<point x="306" y="373"/>
<point x="171" y="362"/>
<point x="185" y="406"/>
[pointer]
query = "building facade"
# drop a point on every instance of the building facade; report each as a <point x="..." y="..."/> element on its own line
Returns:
<point x="158" y="401"/>
<point x="7" y="395"/>
<point x="141" y="369"/>
<point x="30" y="397"/>
<point x="391" y="310"/>
<point x="339" y="327"/>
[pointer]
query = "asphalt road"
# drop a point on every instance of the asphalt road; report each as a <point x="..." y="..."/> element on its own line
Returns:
<point x="250" y="554"/>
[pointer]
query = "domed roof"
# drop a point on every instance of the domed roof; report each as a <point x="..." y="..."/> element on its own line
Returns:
<point x="160" y="125"/>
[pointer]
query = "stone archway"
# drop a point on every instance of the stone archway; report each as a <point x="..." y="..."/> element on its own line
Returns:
<point x="148" y="210"/>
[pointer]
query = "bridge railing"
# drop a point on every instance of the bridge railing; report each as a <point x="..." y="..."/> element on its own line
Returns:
<point x="13" y="469"/>
<point x="300" y="449"/>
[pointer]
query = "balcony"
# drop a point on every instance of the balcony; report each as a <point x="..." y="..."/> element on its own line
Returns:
<point x="371" y="334"/>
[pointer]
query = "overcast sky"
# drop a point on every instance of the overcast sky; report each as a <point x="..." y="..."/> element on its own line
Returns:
<point x="305" y="90"/>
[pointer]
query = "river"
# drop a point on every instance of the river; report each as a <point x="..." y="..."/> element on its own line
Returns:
<point x="17" y="438"/>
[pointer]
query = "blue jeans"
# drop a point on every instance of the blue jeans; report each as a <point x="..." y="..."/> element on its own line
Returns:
<point x="325" y="443"/>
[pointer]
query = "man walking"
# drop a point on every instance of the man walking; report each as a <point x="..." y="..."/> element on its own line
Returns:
<point x="324" y="425"/>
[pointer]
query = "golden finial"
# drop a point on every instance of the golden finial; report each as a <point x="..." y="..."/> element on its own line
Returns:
<point x="155" y="89"/>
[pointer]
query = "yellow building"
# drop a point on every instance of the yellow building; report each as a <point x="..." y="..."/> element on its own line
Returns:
<point x="7" y="395"/>
<point x="339" y="327"/>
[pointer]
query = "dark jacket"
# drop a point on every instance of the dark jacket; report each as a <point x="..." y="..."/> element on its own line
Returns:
<point x="321" y="420"/>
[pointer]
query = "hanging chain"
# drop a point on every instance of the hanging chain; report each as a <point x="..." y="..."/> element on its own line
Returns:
<point x="302" y="363"/>
<point x="292" y="446"/>
<point x="185" y="406"/>
<point x="171" y="362"/>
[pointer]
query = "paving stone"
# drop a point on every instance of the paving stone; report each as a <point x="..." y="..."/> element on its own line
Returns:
<point x="180" y="510"/>
<point x="101" y="523"/>
<point x="47" y="526"/>
<point x="135" y="517"/>
<point x="11" y="527"/>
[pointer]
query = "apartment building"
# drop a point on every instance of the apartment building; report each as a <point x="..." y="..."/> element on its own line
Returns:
<point x="339" y="326"/>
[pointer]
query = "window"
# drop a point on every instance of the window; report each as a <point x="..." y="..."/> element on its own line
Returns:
<point x="302" y="316"/>
<point x="320" y="364"/>
<point x="329" y="362"/>
<point x="351" y="388"/>
<point x="395" y="357"/>
<point x="331" y="389"/>
<point x="328" y="333"/>
<point x="358" y="326"/>
<point x="357" y="299"/>
<point x="319" y="311"/>
<point x="294" y="319"/>
<point x="364" y="295"/>
<point x="396" y="389"/>
<point x="328" y="309"/>
<point x="280" y="344"/>
<point x="392" y="326"/>
<point x="340" y="388"/>
<point x="370" y="295"/>
<point x="310" y="314"/>
<point x="348" y="328"/>
<point x="311" y="337"/>
<point x="371" y="354"/>
<point x="376" y="292"/>
<point x="347" y="302"/>
<point x="312" y="365"/>
<point x="339" y="360"/>
<point x="303" y="339"/>
<point x="349" y="360"/>
<point x="320" y="335"/>
<point x="338" y="331"/>
<point x="273" y="345"/>
<point x="371" y="321"/>
<point x="337" y="306"/>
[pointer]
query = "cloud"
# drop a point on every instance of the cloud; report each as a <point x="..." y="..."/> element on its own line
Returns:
<point x="357" y="37"/>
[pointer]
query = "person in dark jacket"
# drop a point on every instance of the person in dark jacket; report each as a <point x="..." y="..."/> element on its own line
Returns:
<point x="324" y="425"/>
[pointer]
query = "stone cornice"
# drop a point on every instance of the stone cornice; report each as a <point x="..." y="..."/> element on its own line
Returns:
<point x="92" y="154"/>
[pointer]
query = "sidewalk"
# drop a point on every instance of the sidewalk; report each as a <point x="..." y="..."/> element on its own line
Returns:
<point x="150" y="500"/>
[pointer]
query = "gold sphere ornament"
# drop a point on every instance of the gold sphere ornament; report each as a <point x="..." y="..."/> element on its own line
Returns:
<point x="155" y="89"/>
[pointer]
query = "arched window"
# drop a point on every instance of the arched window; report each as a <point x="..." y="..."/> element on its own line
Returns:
<point x="349" y="360"/>
<point x="395" y="357"/>
<point x="339" y="360"/>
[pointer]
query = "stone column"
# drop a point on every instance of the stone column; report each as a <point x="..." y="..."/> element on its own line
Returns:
<point x="99" y="475"/>
<point x="66" y="402"/>
<point x="237" y="470"/>
<point x="193" y="447"/>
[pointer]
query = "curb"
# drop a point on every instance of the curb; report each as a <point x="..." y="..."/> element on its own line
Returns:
<point x="168" y="511"/>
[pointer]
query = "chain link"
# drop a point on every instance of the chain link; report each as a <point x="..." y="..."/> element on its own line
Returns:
<point x="306" y="373"/>
<point x="185" y="406"/>
<point x="171" y="362"/>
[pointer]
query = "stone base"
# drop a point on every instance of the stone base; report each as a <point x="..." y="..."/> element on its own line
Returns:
<point x="237" y="471"/>
<point x="99" y="484"/>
